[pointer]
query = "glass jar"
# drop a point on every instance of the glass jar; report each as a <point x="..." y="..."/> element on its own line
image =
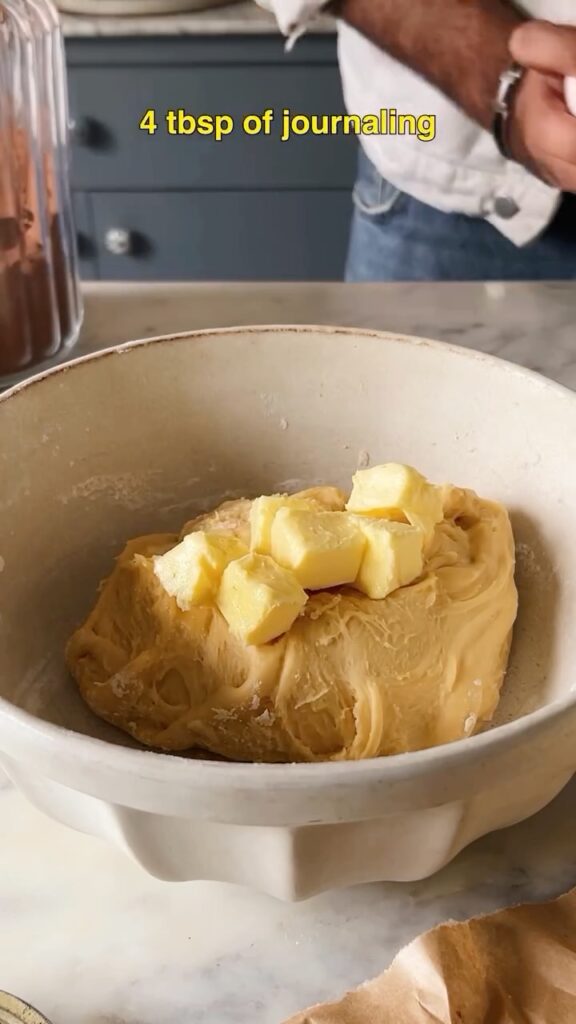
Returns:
<point x="40" y="302"/>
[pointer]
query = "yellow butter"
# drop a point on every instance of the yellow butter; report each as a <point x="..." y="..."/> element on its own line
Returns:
<point x="392" y="489"/>
<point x="263" y="513"/>
<point x="393" y="557"/>
<point x="322" y="549"/>
<point x="191" y="571"/>
<point x="259" y="599"/>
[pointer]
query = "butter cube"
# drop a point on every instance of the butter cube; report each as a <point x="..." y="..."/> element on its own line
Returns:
<point x="262" y="515"/>
<point x="392" y="557"/>
<point x="393" y="488"/>
<point x="191" y="571"/>
<point x="322" y="549"/>
<point x="259" y="600"/>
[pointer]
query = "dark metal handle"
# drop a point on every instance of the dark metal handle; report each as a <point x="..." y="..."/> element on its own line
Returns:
<point x="86" y="132"/>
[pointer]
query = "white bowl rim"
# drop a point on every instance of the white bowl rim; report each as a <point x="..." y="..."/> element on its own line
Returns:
<point x="249" y="775"/>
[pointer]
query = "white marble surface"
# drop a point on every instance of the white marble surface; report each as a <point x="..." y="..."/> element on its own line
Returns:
<point x="244" y="18"/>
<point x="86" y="935"/>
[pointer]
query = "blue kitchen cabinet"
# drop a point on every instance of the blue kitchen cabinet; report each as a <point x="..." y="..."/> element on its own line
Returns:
<point x="190" y="207"/>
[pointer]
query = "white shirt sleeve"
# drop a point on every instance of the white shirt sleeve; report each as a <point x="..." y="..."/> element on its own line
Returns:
<point x="294" y="16"/>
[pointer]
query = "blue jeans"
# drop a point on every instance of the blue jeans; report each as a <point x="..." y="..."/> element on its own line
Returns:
<point x="397" y="238"/>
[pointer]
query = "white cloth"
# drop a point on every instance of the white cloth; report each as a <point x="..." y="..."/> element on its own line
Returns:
<point x="460" y="170"/>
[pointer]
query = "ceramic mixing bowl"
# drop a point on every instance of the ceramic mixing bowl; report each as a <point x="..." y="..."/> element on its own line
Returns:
<point x="139" y="438"/>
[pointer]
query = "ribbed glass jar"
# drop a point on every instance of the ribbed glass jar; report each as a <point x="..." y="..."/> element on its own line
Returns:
<point x="40" y="303"/>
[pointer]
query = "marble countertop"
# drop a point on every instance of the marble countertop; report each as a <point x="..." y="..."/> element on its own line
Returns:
<point x="86" y="935"/>
<point x="244" y="18"/>
<point x="531" y="324"/>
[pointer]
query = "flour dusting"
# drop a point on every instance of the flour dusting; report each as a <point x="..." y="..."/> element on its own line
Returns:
<point x="129" y="489"/>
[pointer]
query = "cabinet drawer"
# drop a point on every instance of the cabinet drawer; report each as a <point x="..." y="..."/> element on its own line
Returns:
<point x="111" y="152"/>
<point x="227" y="236"/>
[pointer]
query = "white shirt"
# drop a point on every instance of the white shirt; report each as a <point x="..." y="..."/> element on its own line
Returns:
<point x="461" y="169"/>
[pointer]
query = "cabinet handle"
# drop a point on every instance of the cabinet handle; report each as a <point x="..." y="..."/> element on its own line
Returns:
<point x="89" y="133"/>
<point x="119" y="241"/>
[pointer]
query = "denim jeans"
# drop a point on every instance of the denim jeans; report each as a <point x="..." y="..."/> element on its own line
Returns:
<point x="397" y="238"/>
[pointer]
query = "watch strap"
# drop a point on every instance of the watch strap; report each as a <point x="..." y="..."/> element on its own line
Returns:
<point x="507" y="85"/>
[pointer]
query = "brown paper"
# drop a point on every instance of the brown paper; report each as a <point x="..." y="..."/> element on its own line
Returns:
<point x="514" y="967"/>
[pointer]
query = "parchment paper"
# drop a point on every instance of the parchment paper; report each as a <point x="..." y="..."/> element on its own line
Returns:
<point x="517" y="966"/>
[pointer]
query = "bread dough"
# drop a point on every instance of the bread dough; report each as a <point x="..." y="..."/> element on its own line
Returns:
<point x="353" y="678"/>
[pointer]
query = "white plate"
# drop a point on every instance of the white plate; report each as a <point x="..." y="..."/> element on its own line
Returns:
<point x="14" y="1011"/>
<point x="105" y="8"/>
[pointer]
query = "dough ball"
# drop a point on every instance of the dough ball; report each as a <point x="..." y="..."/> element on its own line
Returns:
<point x="353" y="678"/>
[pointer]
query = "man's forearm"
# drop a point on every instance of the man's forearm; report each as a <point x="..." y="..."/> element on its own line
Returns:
<point x="461" y="46"/>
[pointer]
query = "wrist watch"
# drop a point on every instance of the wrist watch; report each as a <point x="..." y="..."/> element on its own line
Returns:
<point x="507" y="85"/>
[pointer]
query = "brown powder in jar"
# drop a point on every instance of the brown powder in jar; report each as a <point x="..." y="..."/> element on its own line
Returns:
<point x="35" y="318"/>
<point x="35" y="314"/>
<point x="62" y="280"/>
<point x="28" y="334"/>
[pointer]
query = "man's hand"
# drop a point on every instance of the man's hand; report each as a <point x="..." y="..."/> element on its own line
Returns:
<point x="541" y="130"/>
